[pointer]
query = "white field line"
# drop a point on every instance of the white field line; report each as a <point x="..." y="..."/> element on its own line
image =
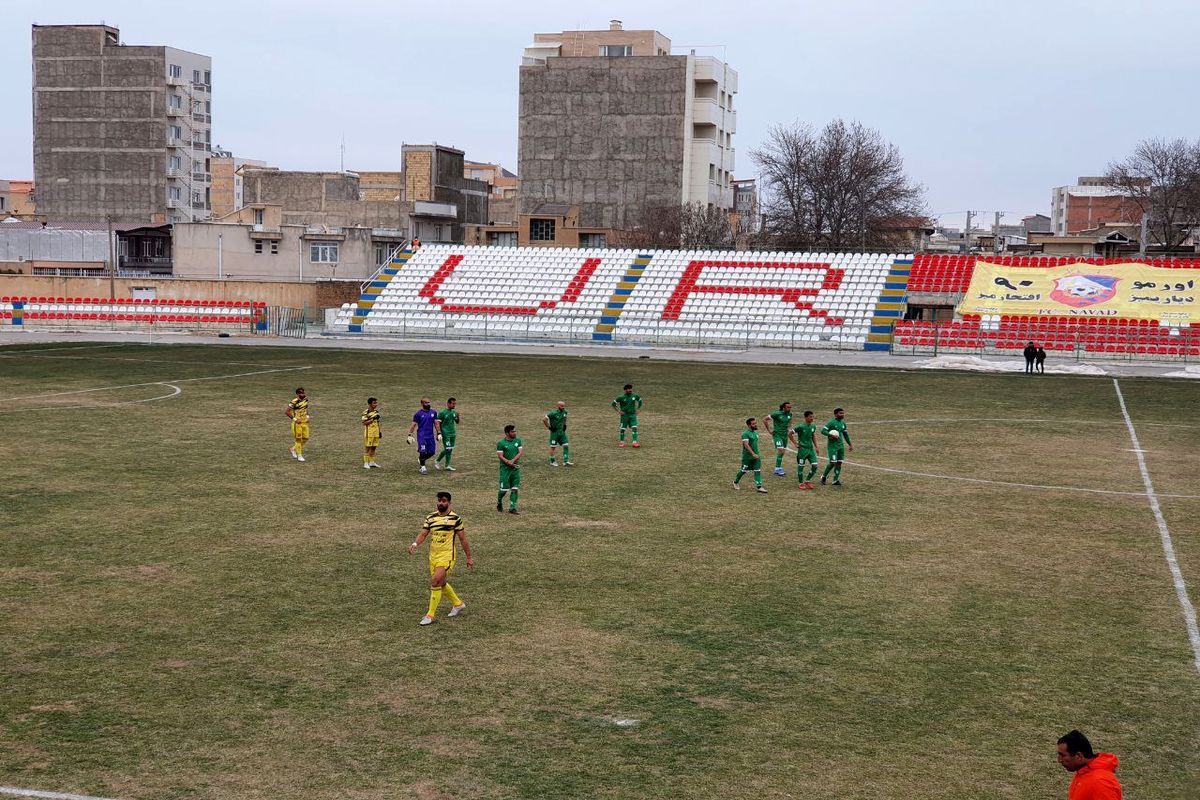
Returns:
<point x="1164" y="534"/>
<point x="1022" y="420"/>
<point x="1044" y="486"/>
<point x="166" y="382"/>
<point x="175" y="392"/>
<point x="14" y="353"/>
<point x="15" y="792"/>
<point x="139" y="360"/>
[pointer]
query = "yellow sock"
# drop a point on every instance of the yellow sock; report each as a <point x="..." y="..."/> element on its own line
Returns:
<point x="435" y="597"/>
<point x="299" y="447"/>
<point x="451" y="595"/>
<point x="366" y="459"/>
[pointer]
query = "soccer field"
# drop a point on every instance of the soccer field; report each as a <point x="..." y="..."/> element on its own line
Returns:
<point x="186" y="612"/>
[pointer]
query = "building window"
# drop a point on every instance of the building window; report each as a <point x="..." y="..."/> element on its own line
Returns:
<point x="258" y="216"/>
<point x="176" y="163"/>
<point x="173" y="193"/>
<point x="323" y="252"/>
<point x="207" y="78"/>
<point x="383" y="252"/>
<point x="1" y="203"/>
<point x="176" y="101"/>
<point x="176" y="71"/>
<point x="616" y="50"/>
<point x="541" y="230"/>
<point x="274" y="248"/>
<point x="502" y="238"/>
<point x="195" y="76"/>
<point x="593" y="240"/>
<point x="258" y="247"/>
<point x="176" y="132"/>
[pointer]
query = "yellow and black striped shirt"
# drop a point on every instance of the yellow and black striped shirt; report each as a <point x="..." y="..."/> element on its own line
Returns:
<point x="370" y="419"/>
<point x="443" y="529"/>
<point x="299" y="409"/>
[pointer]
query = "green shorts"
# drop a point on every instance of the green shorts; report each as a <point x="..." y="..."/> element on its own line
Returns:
<point x="629" y="421"/>
<point x="806" y="455"/>
<point x="557" y="438"/>
<point x="780" y="441"/>
<point x="751" y="463"/>
<point x="448" y="440"/>
<point x="510" y="477"/>
<point x="836" y="454"/>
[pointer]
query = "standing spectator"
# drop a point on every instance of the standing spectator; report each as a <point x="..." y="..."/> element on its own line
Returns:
<point x="1030" y="352"/>
<point x="1040" y="358"/>
<point x="1093" y="778"/>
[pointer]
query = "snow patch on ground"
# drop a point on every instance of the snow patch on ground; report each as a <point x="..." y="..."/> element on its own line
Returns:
<point x="977" y="364"/>
<point x="1192" y="371"/>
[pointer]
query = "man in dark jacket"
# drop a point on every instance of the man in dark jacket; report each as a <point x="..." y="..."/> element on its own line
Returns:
<point x="1030" y="351"/>
<point x="1040" y="358"/>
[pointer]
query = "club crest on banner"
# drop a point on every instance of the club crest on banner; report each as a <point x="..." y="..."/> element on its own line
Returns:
<point x="1081" y="291"/>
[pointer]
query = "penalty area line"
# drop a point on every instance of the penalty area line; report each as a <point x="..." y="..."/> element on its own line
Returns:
<point x="167" y="382"/>
<point x="13" y="791"/>
<point x="1164" y="535"/>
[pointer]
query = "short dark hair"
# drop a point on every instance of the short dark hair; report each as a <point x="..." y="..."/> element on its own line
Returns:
<point x="1077" y="743"/>
<point x="509" y="428"/>
<point x="809" y="413"/>
<point x="629" y="386"/>
<point x="451" y="400"/>
<point x="443" y="496"/>
<point x="751" y="419"/>
<point x="838" y="409"/>
<point x="372" y="400"/>
<point x="299" y="389"/>
<point x="784" y="403"/>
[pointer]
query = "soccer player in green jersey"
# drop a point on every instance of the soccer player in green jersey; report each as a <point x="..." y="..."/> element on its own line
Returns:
<point x="839" y="439"/>
<point x="509" y="450"/>
<point x="779" y="424"/>
<point x="447" y="429"/>
<point x="556" y="422"/>
<point x="627" y="405"/>
<point x="750" y="459"/>
<point x="804" y="436"/>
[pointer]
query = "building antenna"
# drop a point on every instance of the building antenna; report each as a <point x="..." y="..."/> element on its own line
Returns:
<point x="343" y="161"/>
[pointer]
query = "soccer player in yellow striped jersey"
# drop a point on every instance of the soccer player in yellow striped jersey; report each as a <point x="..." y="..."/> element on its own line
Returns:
<point x="297" y="412"/>
<point x="372" y="433"/>
<point x="443" y="528"/>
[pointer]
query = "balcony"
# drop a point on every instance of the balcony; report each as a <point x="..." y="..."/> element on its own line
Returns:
<point x="174" y="173"/>
<point x="158" y="263"/>
<point x="174" y="141"/>
<point x="706" y="112"/>
<point x="174" y="112"/>
<point x="425" y="208"/>
<point x="705" y="151"/>
<point x="176" y="80"/>
<point x="727" y="160"/>
<point x="174" y="204"/>
<point x="200" y="177"/>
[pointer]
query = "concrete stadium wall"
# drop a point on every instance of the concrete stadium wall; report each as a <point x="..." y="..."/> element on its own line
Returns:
<point x="274" y="293"/>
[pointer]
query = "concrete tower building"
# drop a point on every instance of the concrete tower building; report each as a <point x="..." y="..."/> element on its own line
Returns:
<point x="612" y="123"/>
<point x="120" y="131"/>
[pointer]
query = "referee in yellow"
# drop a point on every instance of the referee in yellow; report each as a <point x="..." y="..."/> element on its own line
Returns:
<point x="443" y="528"/>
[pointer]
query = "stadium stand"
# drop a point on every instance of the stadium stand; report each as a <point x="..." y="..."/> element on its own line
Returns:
<point x="130" y="312"/>
<point x="1095" y="336"/>
<point x="657" y="296"/>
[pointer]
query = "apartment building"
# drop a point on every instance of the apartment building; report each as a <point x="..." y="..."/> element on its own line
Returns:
<point x="1089" y="204"/>
<point x="119" y="131"/>
<point x="612" y="123"/>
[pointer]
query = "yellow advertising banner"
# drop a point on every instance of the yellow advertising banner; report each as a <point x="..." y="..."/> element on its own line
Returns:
<point x="1132" y="291"/>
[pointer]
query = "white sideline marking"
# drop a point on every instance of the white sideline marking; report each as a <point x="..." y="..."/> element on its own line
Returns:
<point x="1030" y="420"/>
<point x="1009" y="483"/>
<point x="1164" y="534"/>
<point x="12" y="790"/>
<point x="150" y="383"/>
<point x="57" y="349"/>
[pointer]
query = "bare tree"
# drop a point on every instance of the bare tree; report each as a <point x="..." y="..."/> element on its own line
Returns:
<point x="841" y="188"/>
<point x="693" y="226"/>
<point x="1162" y="179"/>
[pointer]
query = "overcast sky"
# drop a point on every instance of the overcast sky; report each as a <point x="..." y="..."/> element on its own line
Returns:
<point x="991" y="103"/>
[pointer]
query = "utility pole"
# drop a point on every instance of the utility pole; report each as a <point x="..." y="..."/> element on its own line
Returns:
<point x="967" y="233"/>
<point x="1142" y="236"/>
<point x="112" y="259"/>
<point x="996" y="234"/>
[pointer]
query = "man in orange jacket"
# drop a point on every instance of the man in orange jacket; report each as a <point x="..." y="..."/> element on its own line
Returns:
<point x="1094" y="778"/>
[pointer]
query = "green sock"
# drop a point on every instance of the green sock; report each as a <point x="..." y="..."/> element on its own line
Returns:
<point x="512" y="501"/>
<point x="828" y="469"/>
<point x="635" y="433"/>
<point x="566" y="453"/>
<point x="837" y="472"/>
<point x="552" y="458"/>
<point x="449" y="454"/>
<point x="758" y="477"/>
<point x="500" y="497"/>
<point x="738" y="478"/>
<point x="622" y="434"/>
<point x="812" y="470"/>
<point x="778" y="459"/>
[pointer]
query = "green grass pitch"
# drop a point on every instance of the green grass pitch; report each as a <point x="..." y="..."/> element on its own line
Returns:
<point x="186" y="612"/>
